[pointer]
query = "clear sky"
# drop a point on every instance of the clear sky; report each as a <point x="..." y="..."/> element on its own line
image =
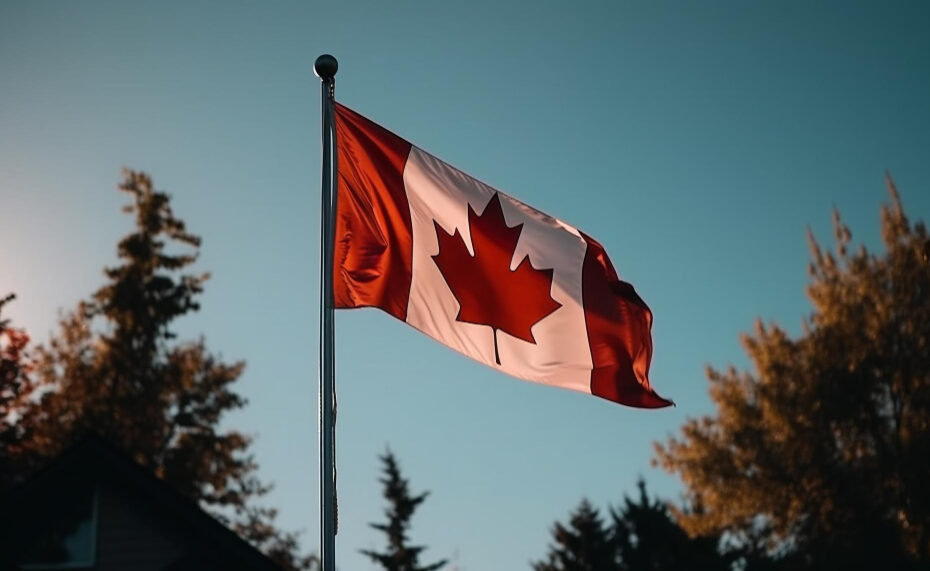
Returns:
<point x="696" y="141"/>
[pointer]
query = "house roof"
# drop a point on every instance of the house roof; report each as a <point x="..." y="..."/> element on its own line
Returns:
<point x="96" y="462"/>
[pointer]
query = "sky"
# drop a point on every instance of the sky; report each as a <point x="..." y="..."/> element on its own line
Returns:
<point x="696" y="141"/>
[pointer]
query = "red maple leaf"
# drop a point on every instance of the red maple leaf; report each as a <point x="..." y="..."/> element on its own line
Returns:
<point x="488" y="291"/>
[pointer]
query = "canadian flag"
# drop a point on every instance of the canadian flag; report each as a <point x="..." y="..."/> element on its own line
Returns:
<point x="481" y="272"/>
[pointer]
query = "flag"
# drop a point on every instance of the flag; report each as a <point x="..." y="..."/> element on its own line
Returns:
<point x="482" y="272"/>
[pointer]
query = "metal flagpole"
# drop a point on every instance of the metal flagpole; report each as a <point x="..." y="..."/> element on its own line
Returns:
<point x="325" y="68"/>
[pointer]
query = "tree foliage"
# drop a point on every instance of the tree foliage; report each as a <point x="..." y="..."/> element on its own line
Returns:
<point x="115" y="368"/>
<point x="641" y="535"/>
<point x="821" y="453"/>
<point x="584" y="544"/>
<point x="649" y="539"/>
<point x="399" y="555"/>
<point x="15" y="388"/>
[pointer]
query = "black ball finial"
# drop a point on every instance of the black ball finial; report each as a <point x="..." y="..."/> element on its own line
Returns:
<point x="325" y="67"/>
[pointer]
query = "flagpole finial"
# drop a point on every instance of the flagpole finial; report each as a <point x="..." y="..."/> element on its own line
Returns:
<point x="325" y="67"/>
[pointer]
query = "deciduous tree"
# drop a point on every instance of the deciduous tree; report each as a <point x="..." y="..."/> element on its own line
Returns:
<point x="15" y="387"/>
<point x="821" y="453"/>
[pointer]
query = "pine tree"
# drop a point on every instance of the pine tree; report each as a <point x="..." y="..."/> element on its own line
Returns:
<point x="399" y="555"/>
<point x="115" y="369"/>
<point x="821" y="453"/>
<point x="585" y="544"/>
<point x="649" y="539"/>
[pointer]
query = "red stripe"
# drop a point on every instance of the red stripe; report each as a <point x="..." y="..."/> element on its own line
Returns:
<point x="619" y="326"/>
<point x="374" y="240"/>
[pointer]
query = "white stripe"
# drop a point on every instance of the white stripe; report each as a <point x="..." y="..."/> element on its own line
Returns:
<point x="560" y="357"/>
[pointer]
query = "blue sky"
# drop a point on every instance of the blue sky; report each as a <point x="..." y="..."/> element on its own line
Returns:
<point x="697" y="142"/>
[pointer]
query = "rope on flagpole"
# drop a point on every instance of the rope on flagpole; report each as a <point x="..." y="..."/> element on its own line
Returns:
<point x="325" y="68"/>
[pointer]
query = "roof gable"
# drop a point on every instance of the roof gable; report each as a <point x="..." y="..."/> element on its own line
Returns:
<point x="182" y="533"/>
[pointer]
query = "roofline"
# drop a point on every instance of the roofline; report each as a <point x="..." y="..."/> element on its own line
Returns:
<point x="114" y="464"/>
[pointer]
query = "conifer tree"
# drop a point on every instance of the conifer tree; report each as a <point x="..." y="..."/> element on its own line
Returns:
<point x="585" y="544"/>
<point x="649" y="539"/>
<point x="399" y="555"/>
<point x="821" y="453"/>
<point x="116" y="369"/>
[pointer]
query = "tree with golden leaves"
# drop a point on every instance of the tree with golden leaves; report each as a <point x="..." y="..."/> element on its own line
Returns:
<point x="820" y="455"/>
<point x="16" y="388"/>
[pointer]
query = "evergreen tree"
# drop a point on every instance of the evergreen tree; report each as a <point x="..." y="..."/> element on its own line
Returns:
<point x="642" y="536"/>
<point x="585" y="544"/>
<point x="399" y="555"/>
<point x="115" y="369"/>
<point x="649" y="539"/>
<point x="821" y="454"/>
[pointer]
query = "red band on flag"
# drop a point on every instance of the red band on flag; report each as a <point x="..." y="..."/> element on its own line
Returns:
<point x="619" y="325"/>
<point x="373" y="235"/>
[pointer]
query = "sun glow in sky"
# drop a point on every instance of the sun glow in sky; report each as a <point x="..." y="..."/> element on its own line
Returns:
<point x="696" y="141"/>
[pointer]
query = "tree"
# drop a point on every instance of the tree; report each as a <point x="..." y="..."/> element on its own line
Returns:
<point x="585" y="544"/>
<point x="15" y="388"/>
<point x="642" y="536"/>
<point x="115" y="369"/>
<point x="822" y="452"/>
<point x="399" y="555"/>
<point x="649" y="539"/>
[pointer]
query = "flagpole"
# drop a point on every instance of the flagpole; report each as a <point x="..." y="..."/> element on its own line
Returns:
<point x="325" y="68"/>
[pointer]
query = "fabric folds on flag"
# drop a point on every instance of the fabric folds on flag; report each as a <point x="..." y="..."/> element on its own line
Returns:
<point x="482" y="272"/>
